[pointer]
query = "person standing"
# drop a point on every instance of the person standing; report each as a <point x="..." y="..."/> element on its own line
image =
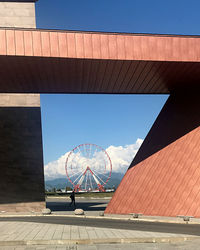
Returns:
<point x="72" y="197"/>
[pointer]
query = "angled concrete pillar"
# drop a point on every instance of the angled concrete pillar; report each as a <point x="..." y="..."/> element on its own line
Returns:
<point x="21" y="157"/>
<point x="164" y="177"/>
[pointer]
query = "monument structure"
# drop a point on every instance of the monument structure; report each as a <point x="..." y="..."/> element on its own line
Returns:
<point x="164" y="177"/>
<point x="21" y="158"/>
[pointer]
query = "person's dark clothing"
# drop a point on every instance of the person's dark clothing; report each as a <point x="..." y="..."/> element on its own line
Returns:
<point x="72" y="196"/>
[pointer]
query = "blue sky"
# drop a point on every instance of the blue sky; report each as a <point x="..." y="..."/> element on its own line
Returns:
<point x="141" y="16"/>
<point x="69" y="120"/>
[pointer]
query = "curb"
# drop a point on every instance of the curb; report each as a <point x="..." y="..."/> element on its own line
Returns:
<point x="98" y="241"/>
<point x="101" y="217"/>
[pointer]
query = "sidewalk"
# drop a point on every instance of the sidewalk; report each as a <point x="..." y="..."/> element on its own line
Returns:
<point x="30" y="233"/>
<point x="43" y="235"/>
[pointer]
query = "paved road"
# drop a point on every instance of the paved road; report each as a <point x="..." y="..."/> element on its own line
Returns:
<point x="62" y="204"/>
<point x="174" y="228"/>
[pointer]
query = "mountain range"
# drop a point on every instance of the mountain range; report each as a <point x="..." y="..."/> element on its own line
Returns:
<point x="60" y="183"/>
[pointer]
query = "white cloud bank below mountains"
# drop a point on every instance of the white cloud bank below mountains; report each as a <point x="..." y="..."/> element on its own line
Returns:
<point x="121" y="157"/>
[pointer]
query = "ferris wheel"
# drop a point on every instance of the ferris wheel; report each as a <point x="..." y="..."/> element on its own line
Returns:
<point x="88" y="167"/>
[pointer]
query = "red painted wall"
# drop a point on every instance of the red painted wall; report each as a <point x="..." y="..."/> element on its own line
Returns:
<point x="164" y="177"/>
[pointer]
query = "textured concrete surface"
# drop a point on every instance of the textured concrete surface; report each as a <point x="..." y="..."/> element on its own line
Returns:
<point x="164" y="178"/>
<point x="192" y="245"/>
<point x="28" y="233"/>
<point x="21" y="159"/>
<point x="17" y="14"/>
<point x="19" y="100"/>
<point x="35" y="235"/>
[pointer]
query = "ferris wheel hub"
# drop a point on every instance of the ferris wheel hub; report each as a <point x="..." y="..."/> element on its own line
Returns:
<point x="88" y="167"/>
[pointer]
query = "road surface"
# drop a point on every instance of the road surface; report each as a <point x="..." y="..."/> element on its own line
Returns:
<point x="62" y="204"/>
<point x="191" y="229"/>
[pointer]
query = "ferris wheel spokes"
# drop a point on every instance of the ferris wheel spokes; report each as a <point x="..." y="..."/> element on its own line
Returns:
<point x="78" y="177"/>
<point x="99" y="173"/>
<point x="91" y="181"/>
<point x="87" y="177"/>
<point x="74" y="174"/>
<point x="90" y="166"/>
<point x="100" y="179"/>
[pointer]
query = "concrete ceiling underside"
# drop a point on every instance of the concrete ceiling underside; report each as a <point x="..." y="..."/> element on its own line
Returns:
<point x="43" y="61"/>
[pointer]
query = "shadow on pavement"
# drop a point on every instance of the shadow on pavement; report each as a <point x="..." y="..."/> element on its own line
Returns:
<point x="86" y="206"/>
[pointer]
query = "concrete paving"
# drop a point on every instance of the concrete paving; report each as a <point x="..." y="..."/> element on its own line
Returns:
<point x="37" y="235"/>
<point x="31" y="233"/>
<point x="188" y="245"/>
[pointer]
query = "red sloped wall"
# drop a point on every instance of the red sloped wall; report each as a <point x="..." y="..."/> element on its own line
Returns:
<point x="164" y="177"/>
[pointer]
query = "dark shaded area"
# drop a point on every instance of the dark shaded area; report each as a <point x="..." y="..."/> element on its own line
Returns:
<point x="179" y="116"/>
<point x="86" y="205"/>
<point x="192" y="229"/>
<point x="22" y="175"/>
<point x="75" y="75"/>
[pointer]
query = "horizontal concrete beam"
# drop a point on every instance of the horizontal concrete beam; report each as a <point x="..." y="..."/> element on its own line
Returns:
<point x="17" y="14"/>
<point x="19" y="100"/>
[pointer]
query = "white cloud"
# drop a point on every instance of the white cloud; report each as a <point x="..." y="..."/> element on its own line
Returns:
<point x="121" y="157"/>
<point x="56" y="169"/>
